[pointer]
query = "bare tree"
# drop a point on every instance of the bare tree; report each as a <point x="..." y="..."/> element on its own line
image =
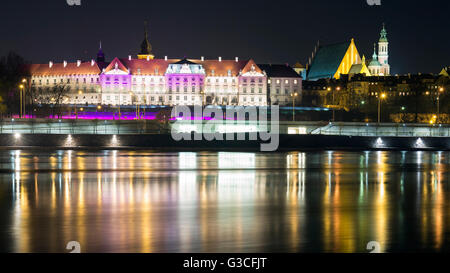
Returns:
<point x="55" y="96"/>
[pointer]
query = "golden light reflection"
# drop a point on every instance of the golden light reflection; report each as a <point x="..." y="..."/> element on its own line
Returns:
<point x="220" y="202"/>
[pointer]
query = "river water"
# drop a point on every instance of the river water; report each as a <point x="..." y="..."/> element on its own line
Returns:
<point x="153" y="202"/>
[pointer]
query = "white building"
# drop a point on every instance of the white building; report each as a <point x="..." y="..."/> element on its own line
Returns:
<point x="148" y="81"/>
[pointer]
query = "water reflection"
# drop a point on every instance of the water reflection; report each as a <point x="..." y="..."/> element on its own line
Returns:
<point x="117" y="201"/>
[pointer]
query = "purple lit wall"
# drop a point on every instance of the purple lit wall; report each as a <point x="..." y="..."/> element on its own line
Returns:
<point x="194" y="82"/>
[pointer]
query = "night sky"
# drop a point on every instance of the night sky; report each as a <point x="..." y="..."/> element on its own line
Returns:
<point x="281" y="31"/>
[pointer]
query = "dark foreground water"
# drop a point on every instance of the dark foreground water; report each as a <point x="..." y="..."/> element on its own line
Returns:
<point x="122" y="201"/>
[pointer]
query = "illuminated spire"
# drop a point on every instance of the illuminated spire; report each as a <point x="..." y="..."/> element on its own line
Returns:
<point x="146" y="48"/>
<point x="383" y="34"/>
<point x="374" y="56"/>
<point x="100" y="54"/>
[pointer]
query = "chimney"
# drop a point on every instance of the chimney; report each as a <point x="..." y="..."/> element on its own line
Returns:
<point x="202" y="58"/>
<point x="50" y="64"/>
<point x="165" y="58"/>
<point x="148" y="58"/>
<point x="92" y="62"/>
<point x="220" y="59"/>
<point x="78" y="63"/>
<point x="129" y="57"/>
<point x="237" y="59"/>
<point x="65" y="63"/>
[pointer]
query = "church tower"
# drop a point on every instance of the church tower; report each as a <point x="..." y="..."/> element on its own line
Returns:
<point x="375" y="67"/>
<point x="100" y="54"/>
<point x="146" y="47"/>
<point x="383" y="53"/>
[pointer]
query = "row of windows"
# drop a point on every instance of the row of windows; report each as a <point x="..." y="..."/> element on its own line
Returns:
<point x="125" y="80"/>
<point x="67" y="81"/>
<point x="285" y="81"/>
<point x="286" y="91"/>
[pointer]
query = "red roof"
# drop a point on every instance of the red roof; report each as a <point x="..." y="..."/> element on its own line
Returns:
<point x="150" y="67"/>
<point x="142" y="66"/>
<point x="57" y="69"/>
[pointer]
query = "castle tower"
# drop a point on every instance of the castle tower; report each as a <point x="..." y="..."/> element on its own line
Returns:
<point x="146" y="47"/>
<point x="383" y="53"/>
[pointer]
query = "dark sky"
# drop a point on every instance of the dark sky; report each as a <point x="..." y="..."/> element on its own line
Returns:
<point x="280" y="31"/>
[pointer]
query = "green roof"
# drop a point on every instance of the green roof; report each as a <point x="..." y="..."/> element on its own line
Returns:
<point x="374" y="62"/>
<point x="327" y="61"/>
<point x="356" y="69"/>
<point x="383" y="35"/>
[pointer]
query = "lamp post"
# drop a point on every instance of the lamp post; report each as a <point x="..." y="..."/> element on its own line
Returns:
<point x="441" y="89"/>
<point x="334" y="104"/>
<point x="24" y="104"/>
<point x="380" y="97"/>
<point x="202" y="93"/>
<point x="21" y="87"/>
<point x="294" y="96"/>
<point x="137" y="113"/>
<point x="120" y="96"/>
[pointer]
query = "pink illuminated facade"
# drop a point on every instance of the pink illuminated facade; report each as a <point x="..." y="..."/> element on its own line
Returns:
<point x="148" y="81"/>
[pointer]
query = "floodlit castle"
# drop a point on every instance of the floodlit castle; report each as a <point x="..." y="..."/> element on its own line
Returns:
<point x="146" y="80"/>
<point x="332" y="61"/>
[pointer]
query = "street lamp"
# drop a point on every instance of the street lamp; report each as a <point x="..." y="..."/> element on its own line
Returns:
<point x="294" y="96"/>
<point x="132" y="94"/>
<point x="441" y="90"/>
<point x="380" y="97"/>
<point x="334" y="104"/>
<point x="21" y="100"/>
<point x="24" y="83"/>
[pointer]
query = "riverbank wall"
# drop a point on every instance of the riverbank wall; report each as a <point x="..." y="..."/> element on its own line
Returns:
<point x="166" y="142"/>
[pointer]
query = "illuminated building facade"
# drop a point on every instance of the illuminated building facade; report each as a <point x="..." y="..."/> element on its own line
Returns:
<point x="146" y="80"/>
<point x="333" y="61"/>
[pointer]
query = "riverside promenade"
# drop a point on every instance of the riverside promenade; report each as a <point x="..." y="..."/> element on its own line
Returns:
<point x="152" y="134"/>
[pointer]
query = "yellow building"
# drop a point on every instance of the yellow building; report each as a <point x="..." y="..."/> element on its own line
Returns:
<point x="332" y="61"/>
<point x="360" y="68"/>
<point x="445" y="71"/>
